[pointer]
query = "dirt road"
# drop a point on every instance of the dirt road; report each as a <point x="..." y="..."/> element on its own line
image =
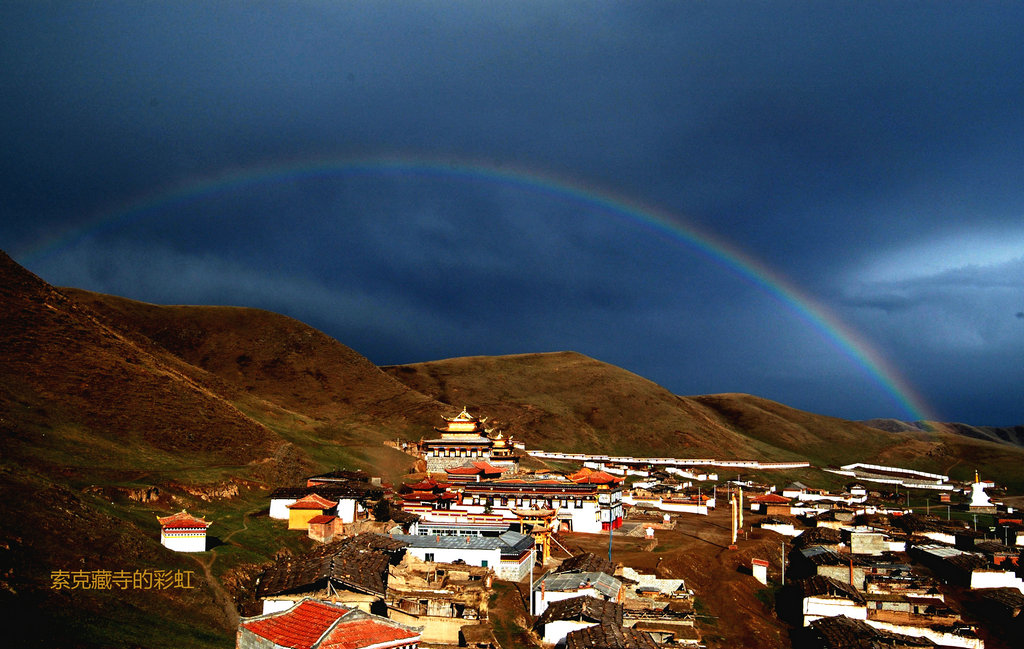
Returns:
<point x="697" y="550"/>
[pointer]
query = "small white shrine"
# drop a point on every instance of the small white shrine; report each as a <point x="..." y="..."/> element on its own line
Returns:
<point x="979" y="499"/>
<point x="183" y="532"/>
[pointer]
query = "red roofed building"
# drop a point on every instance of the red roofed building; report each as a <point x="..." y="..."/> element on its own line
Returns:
<point x="311" y="624"/>
<point x="473" y="472"/>
<point x="183" y="532"/>
<point x="302" y="510"/>
<point x="587" y="475"/>
<point x="770" y="503"/>
<point x="324" y="527"/>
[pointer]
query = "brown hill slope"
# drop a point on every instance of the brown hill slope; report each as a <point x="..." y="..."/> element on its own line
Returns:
<point x="1002" y="434"/>
<point x="278" y="360"/>
<point x="124" y="403"/>
<point x="567" y="401"/>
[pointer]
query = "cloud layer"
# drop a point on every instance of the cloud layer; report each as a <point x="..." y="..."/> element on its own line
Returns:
<point x="867" y="152"/>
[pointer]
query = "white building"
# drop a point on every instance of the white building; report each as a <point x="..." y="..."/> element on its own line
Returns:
<point x="580" y="506"/>
<point x="509" y="554"/>
<point x="827" y="597"/>
<point x="183" y="532"/>
<point x="347" y="508"/>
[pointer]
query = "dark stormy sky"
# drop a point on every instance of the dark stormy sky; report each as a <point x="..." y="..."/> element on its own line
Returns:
<point x="424" y="180"/>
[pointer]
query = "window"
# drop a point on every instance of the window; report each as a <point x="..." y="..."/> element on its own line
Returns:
<point x="429" y="556"/>
<point x="483" y="564"/>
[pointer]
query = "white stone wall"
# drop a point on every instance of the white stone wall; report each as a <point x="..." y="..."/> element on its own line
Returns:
<point x="651" y="581"/>
<point x="939" y="637"/>
<point x="347" y="510"/>
<point x="555" y="632"/>
<point x="279" y="507"/>
<point x="996" y="579"/>
<point x="184" y="542"/>
<point x="275" y="605"/>
<point x="818" y="607"/>
<point x="514" y="570"/>
<point x="542" y="598"/>
<point x="786" y="529"/>
<point x="472" y="556"/>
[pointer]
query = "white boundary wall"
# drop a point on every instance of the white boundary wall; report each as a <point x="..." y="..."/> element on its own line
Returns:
<point x="668" y="461"/>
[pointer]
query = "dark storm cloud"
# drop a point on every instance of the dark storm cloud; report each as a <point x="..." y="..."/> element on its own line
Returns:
<point x="847" y="145"/>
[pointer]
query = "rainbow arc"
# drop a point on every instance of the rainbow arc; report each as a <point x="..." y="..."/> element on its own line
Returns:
<point x="818" y="317"/>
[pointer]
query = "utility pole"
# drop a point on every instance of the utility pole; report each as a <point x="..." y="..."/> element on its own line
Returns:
<point x="739" y="508"/>
<point x="783" y="563"/>
<point x="732" y="503"/>
<point x="533" y="559"/>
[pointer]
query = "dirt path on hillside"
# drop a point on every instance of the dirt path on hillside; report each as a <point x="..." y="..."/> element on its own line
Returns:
<point x="725" y="592"/>
<point x="221" y="595"/>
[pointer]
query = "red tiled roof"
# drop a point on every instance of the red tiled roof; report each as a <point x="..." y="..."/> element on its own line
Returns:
<point x="183" y="519"/>
<point x="366" y="633"/>
<point x="463" y="470"/>
<point x="589" y="476"/>
<point x="312" y="501"/>
<point x="517" y="481"/>
<point x="486" y="467"/>
<point x="770" y="498"/>
<point x="419" y="497"/>
<point x="299" y="627"/>
<point x="322" y="518"/>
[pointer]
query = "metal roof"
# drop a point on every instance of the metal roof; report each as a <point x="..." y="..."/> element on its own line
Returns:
<point x="571" y="581"/>
<point x="450" y="542"/>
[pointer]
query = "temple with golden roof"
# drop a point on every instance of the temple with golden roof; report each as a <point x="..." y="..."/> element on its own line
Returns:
<point x="464" y="441"/>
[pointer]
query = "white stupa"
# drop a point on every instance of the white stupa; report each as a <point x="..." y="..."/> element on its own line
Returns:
<point x="979" y="499"/>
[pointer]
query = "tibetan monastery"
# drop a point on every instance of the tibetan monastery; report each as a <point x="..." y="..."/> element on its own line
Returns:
<point x="503" y="454"/>
<point x="462" y="440"/>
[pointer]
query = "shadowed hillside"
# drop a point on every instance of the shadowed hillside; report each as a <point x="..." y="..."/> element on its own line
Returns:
<point x="84" y="403"/>
<point x="1002" y="434"/>
<point x="82" y="395"/>
<point x="264" y="356"/>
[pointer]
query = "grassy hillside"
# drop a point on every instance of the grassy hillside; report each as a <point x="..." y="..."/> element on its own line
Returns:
<point x="565" y="400"/>
<point x="271" y="357"/>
